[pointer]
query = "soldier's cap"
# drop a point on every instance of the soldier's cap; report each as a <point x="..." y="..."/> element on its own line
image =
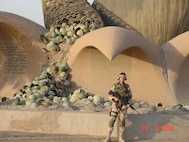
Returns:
<point x="122" y="74"/>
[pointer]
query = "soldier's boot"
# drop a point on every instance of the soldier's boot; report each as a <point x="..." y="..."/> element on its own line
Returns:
<point x="121" y="135"/>
<point x="108" y="138"/>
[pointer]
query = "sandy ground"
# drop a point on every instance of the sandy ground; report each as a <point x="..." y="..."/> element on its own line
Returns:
<point x="37" y="137"/>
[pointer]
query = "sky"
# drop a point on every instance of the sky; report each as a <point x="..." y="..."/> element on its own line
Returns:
<point x="30" y="9"/>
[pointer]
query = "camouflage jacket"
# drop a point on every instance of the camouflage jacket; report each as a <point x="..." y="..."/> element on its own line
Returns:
<point x="123" y="89"/>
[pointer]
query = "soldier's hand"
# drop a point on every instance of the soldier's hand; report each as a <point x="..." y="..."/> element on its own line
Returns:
<point x="128" y="105"/>
<point x="115" y="99"/>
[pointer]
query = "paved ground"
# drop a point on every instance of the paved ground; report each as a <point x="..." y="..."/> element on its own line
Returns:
<point x="36" y="137"/>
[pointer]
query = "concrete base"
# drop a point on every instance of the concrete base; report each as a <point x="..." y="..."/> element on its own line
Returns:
<point x="138" y="127"/>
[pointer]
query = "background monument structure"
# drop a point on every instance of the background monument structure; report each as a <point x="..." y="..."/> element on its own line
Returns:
<point x="156" y="74"/>
<point x="161" y="22"/>
<point x="145" y="60"/>
<point x="158" y="20"/>
<point x="20" y="56"/>
<point x="154" y="25"/>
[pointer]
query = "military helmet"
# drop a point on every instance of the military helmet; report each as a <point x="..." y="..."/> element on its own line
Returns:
<point x="122" y="74"/>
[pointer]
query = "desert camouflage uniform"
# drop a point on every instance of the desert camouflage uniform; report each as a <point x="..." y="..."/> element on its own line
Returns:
<point x="119" y="109"/>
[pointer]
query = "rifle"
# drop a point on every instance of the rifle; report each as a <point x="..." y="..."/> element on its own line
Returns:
<point x="124" y="100"/>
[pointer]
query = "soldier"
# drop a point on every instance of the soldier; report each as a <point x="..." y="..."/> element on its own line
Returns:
<point x="117" y="107"/>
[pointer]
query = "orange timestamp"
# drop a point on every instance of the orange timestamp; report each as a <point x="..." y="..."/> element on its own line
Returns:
<point x="164" y="128"/>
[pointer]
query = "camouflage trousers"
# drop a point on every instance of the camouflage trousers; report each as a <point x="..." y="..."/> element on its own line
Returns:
<point x="117" y="110"/>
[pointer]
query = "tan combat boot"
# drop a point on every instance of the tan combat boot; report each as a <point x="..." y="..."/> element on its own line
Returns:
<point x="108" y="138"/>
<point x="121" y="135"/>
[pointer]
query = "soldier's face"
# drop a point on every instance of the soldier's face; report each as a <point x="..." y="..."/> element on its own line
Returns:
<point x="121" y="79"/>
